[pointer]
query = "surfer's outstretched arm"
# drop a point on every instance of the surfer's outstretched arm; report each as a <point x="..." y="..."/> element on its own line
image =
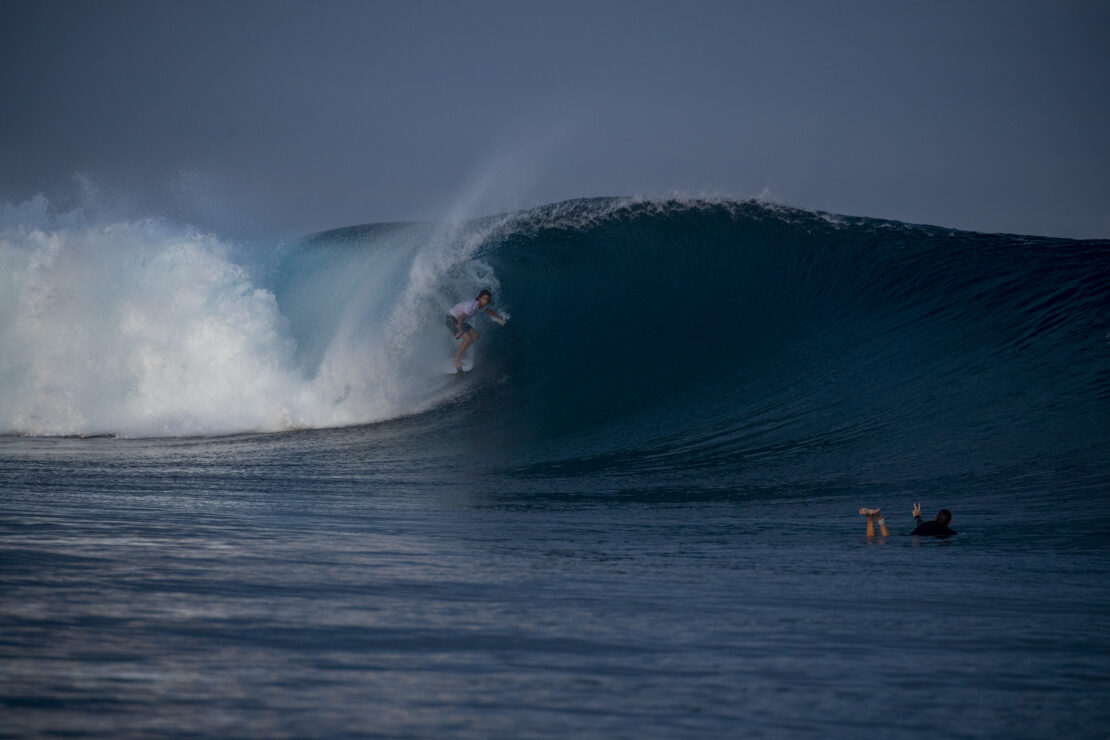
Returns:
<point x="496" y="316"/>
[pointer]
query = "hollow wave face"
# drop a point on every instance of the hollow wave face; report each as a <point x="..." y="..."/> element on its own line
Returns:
<point x="732" y="338"/>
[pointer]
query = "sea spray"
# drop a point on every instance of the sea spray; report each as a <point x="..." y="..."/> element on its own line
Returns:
<point x="146" y="328"/>
<point x="137" y="328"/>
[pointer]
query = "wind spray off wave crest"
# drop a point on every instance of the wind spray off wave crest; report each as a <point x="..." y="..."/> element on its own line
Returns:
<point x="145" y="328"/>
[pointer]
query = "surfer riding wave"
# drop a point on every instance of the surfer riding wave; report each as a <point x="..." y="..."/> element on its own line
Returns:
<point x="460" y="329"/>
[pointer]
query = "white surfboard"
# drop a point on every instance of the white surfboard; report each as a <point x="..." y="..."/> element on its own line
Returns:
<point x="449" y="366"/>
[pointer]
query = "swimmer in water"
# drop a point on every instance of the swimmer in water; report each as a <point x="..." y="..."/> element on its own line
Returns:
<point x="936" y="528"/>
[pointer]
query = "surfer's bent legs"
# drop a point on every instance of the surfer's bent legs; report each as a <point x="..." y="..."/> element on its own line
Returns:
<point x="465" y="332"/>
<point x="468" y="339"/>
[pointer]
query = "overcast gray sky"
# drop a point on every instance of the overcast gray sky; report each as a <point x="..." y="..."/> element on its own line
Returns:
<point x="273" y="119"/>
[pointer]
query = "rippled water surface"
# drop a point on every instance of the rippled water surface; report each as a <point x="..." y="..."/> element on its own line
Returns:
<point x="323" y="584"/>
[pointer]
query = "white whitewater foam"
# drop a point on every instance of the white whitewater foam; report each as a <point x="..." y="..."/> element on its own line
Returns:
<point x="148" y="329"/>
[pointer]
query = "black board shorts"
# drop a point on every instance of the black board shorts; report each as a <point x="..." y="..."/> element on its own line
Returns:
<point x="453" y="325"/>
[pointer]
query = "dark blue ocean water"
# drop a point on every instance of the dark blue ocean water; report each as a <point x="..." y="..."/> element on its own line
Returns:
<point x="635" y="518"/>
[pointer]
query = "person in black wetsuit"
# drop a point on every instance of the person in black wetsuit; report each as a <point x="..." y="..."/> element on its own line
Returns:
<point x="936" y="528"/>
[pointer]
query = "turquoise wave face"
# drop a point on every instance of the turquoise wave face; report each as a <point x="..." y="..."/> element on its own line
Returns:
<point x="751" y="342"/>
<point x="715" y="332"/>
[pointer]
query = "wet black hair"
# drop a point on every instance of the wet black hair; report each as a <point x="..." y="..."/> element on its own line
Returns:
<point x="484" y="292"/>
<point x="944" y="516"/>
